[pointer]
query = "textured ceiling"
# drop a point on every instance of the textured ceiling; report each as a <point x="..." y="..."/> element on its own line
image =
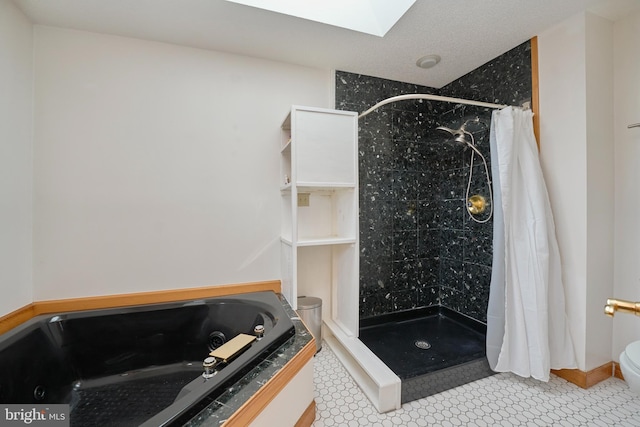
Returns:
<point x="465" y="33"/>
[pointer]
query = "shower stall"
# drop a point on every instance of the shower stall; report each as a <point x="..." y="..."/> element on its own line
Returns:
<point x="429" y="326"/>
<point x="426" y="222"/>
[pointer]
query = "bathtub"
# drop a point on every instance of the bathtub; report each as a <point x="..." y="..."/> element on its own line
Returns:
<point x="138" y="365"/>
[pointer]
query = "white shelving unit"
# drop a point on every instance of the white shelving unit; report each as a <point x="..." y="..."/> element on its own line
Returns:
<point x="320" y="211"/>
<point x="319" y="237"/>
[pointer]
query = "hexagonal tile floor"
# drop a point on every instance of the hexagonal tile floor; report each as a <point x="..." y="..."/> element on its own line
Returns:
<point x="499" y="400"/>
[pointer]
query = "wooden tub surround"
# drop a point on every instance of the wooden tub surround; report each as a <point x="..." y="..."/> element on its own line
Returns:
<point x="37" y="308"/>
<point x="255" y="404"/>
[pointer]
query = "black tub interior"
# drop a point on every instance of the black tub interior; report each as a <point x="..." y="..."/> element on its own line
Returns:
<point x="139" y="364"/>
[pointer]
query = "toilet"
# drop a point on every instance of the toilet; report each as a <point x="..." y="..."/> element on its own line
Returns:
<point x="630" y="365"/>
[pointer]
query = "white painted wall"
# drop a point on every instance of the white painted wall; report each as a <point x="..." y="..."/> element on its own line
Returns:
<point x="576" y="147"/>
<point x="156" y="166"/>
<point x="563" y="154"/>
<point x="626" y="328"/>
<point x="600" y="187"/>
<point x="16" y="158"/>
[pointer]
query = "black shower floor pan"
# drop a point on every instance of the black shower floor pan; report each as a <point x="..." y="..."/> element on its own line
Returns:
<point x="431" y="349"/>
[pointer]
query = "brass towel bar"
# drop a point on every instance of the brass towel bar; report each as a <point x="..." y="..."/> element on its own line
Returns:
<point x="622" y="306"/>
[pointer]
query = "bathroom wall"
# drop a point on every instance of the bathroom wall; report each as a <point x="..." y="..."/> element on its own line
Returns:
<point x="466" y="246"/>
<point x="399" y="231"/>
<point x="563" y="156"/>
<point x="418" y="245"/>
<point x="600" y="181"/>
<point x="157" y="166"/>
<point x="16" y="158"/>
<point x="577" y="157"/>
<point x="626" y="53"/>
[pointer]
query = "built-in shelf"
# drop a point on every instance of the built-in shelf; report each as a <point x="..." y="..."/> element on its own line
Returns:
<point x="322" y="241"/>
<point x="324" y="186"/>
<point x="286" y="241"/>
<point x="326" y="241"/>
<point x="308" y="187"/>
<point x="319" y="230"/>
<point x="319" y="237"/>
<point x="286" y="124"/>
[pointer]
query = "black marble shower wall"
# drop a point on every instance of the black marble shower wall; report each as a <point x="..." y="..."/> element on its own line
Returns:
<point x="418" y="245"/>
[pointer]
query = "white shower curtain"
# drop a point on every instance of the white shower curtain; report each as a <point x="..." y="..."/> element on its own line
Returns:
<point x="527" y="330"/>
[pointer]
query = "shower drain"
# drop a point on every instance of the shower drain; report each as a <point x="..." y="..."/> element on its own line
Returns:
<point x="422" y="344"/>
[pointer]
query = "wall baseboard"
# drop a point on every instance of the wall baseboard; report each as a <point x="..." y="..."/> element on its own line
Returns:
<point x="36" y="308"/>
<point x="617" y="371"/>
<point x="586" y="379"/>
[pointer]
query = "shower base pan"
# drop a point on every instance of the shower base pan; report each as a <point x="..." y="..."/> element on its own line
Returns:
<point x="431" y="350"/>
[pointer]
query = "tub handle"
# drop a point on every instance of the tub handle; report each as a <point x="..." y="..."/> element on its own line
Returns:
<point x="209" y="366"/>
<point x="259" y="331"/>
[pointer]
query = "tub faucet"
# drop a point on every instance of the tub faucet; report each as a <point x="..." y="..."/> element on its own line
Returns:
<point x="622" y="306"/>
<point x="259" y="331"/>
<point x="209" y="366"/>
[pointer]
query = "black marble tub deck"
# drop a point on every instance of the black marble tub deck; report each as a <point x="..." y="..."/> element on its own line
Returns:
<point x="237" y="395"/>
<point x="431" y="349"/>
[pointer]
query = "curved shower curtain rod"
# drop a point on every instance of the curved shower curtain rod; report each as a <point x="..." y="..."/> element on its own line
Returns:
<point x="432" y="98"/>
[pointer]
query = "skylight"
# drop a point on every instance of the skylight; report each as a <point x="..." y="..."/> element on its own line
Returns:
<point x="374" y="17"/>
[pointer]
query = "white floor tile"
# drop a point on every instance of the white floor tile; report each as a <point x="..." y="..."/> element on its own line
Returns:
<point x="500" y="400"/>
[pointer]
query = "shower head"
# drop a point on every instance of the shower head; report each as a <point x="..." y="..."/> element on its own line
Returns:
<point x="459" y="134"/>
<point x="448" y="130"/>
<point x="461" y="139"/>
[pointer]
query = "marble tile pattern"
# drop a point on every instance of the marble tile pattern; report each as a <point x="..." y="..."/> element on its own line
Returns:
<point x="235" y="396"/>
<point x="418" y="245"/>
<point x="500" y="400"/>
